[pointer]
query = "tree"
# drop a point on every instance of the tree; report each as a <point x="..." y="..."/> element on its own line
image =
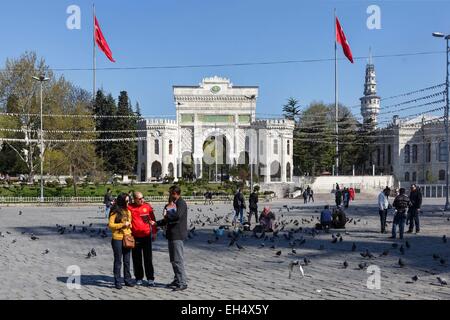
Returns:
<point x="291" y="109"/>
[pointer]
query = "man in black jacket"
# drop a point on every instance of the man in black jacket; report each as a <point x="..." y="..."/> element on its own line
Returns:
<point x="176" y="233"/>
<point x="415" y="196"/>
<point x="401" y="204"/>
<point x="253" y="205"/>
<point x="239" y="206"/>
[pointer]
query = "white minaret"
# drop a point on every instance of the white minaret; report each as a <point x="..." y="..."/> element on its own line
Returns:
<point x="370" y="103"/>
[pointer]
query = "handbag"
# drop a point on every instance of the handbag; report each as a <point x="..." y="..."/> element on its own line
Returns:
<point x="128" y="241"/>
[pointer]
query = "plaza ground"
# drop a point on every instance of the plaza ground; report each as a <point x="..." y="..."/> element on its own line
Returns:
<point x="217" y="271"/>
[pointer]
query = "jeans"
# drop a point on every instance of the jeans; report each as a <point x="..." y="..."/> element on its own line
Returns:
<point x="120" y="253"/>
<point x="399" y="220"/>
<point x="107" y="210"/>
<point x="143" y="247"/>
<point x="239" y="212"/>
<point x="176" y="254"/>
<point x="414" y="219"/>
<point x="255" y="212"/>
<point x="383" y="216"/>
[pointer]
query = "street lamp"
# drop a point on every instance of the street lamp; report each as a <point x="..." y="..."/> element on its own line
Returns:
<point x="41" y="80"/>
<point x="446" y="37"/>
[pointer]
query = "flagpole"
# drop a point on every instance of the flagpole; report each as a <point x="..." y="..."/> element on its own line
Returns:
<point x="336" y="95"/>
<point x="94" y="66"/>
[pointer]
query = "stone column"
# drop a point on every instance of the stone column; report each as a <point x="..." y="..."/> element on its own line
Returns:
<point x="283" y="161"/>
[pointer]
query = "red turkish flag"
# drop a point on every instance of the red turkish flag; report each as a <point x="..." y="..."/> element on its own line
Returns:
<point x="101" y="41"/>
<point x="340" y="38"/>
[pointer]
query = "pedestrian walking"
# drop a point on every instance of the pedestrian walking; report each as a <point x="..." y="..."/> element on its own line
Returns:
<point x="107" y="201"/>
<point x="239" y="206"/>
<point x="253" y="205"/>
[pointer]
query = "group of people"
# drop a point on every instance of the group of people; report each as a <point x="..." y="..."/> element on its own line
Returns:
<point x="407" y="210"/>
<point x="134" y="228"/>
<point x="336" y="219"/>
<point x="308" y="195"/>
<point x="344" y="196"/>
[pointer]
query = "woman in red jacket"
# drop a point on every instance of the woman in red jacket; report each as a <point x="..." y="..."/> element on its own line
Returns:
<point x="144" y="233"/>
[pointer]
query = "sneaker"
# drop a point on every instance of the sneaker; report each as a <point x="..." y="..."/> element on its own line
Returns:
<point x="151" y="283"/>
<point x="139" y="282"/>
<point x="180" y="288"/>
<point x="129" y="284"/>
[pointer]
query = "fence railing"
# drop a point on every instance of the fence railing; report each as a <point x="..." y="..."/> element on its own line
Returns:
<point x="433" y="190"/>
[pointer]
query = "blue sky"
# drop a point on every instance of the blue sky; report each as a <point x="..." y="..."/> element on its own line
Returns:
<point x="192" y="32"/>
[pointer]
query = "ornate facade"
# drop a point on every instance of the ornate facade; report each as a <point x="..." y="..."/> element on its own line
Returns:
<point x="216" y="130"/>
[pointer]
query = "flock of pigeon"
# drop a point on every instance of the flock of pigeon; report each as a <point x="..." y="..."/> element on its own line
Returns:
<point x="289" y="231"/>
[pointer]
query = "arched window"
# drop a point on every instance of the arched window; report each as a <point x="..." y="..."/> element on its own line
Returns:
<point x="171" y="170"/>
<point x="442" y="151"/>
<point x="414" y="177"/>
<point x="170" y="147"/>
<point x="156" y="146"/>
<point x="407" y="154"/>
<point x="441" y="175"/>
<point x="289" y="147"/>
<point x="288" y="172"/>
<point x="275" y="146"/>
<point x="414" y="153"/>
<point x="406" y="176"/>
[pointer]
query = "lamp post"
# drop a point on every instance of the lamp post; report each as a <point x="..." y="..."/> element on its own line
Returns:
<point x="446" y="37"/>
<point x="41" y="80"/>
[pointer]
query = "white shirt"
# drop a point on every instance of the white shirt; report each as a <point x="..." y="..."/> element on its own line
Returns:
<point x="383" y="203"/>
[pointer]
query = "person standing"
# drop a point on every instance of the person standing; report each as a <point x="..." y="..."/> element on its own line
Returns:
<point x="175" y="220"/>
<point x="144" y="232"/>
<point x="383" y="206"/>
<point x="107" y="201"/>
<point x="311" y="195"/>
<point x="401" y="204"/>
<point x="253" y="205"/>
<point x="415" y="196"/>
<point x="120" y="224"/>
<point x="346" y="197"/>
<point x="305" y="196"/>
<point x="239" y="206"/>
<point x="338" y="196"/>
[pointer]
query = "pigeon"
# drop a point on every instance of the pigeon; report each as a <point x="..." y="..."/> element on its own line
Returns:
<point x="262" y="245"/>
<point x="345" y="264"/>
<point x="362" y="265"/>
<point x="340" y="239"/>
<point x="442" y="281"/>
<point x="14" y="241"/>
<point x="353" y="247"/>
<point x="93" y="252"/>
<point x="89" y="255"/>
<point x="278" y="253"/>
<point x="20" y="212"/>
<point x="401" y="263"/>
<point x="33" y="237"/>
<point x="415" y="278"/>
<point x="45" y="252"/>
<point x="384" y="253"/>
<point x="306" y="261"/>
<point x="444" y="239"/>
<point x="294" y="251"/>
<point x="2" y="235"/>
<point x="442" y="261"/>
<point x="291" y="267"/>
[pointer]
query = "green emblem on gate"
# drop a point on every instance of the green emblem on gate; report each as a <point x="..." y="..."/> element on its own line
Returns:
<point x="215" y="89"/>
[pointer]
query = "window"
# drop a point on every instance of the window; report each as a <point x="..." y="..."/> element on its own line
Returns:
<point x="414" y="153"/>
<point x="441" y="175"/>
<point x="406" y="176"/>
<point x="187" y="118"/>
<point x="428" y="152"/>
<point x="442" y="151"/>
<point x="275" y="146"/>
<point x="170" y="147"/>
<point x="407" y="155"/>
<point x="156" y="146"/>
<point x="389" y="154"/>
<point x="244" y="118"/>
<point x="414" y="177"/>
<point x="288" y="147"/>
<point x="261" y="147"/>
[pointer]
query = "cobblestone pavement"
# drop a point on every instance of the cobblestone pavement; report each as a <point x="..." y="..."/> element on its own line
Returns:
<point x="217" y="271"/>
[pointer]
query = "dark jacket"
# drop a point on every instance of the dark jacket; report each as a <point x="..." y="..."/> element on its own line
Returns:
<point x="253" y="201"/>
<point x="401" y="203"/>
<point x="108" y="199"/>
<point x="416" y="199"/>
<point x="177" y="227"/>
<point x="239" y="201"/>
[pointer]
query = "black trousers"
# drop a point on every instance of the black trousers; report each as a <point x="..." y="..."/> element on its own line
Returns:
<point x="255" y="212"/>
<point x="143" y="248"/>
<point x="120" y="253"/>
<point x="383" y="216"/>
<point x="413" y="217"/>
